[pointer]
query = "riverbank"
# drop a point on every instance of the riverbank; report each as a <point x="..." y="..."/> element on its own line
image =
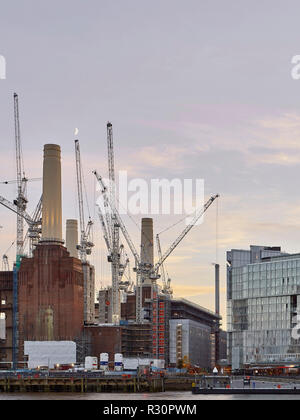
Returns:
<point x="97" y="385"/>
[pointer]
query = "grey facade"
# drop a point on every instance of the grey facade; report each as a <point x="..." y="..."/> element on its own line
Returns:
<point x="105" y="311"/>
<point x="191" y="340"/>
<point x="89" y="293"/>
<point x="263" y="293"/>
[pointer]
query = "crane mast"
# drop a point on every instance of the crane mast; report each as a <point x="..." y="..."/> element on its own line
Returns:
<point x="162" y="268"/>
<point x="130" y="244"/>
<point x="21" y="200"/>
<point x="104" y="229"/>
<point x="85" y="245"/>
<point x="119" y="220"/>
<point x="34" y="222"/>
<point x="114" y="228"/>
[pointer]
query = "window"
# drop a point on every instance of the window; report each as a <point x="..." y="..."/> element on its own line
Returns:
<point x="2" y="315"/>
<point x="3" y="302"/>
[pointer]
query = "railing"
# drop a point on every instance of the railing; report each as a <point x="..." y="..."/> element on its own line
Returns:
<point x="288" y="357"/>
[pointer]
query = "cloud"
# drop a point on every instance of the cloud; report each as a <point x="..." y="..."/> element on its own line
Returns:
<point x="193" y="291"/>
<point x="267" y="139"/>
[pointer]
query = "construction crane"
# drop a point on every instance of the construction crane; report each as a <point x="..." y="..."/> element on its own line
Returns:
<point x="21" y="201"/>
<point x="119" y="220"/>
<point x="137" y="269"/>
<point x="34" y="230"/>
<point x="154" y="273"/>
<point x="25" y="179"/>
<point x="123" y="257"/>
<point x="86" y="245"/>
<point x="5" y="262"/>
<point x="123" y="261"/>
<point x="114" y="228"/>
<point x="34" y="222"/>
<point x="106" y="235"/>
<point x="166" y="281"/>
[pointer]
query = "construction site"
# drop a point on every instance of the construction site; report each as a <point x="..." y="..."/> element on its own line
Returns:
<point x="48" y="295"/>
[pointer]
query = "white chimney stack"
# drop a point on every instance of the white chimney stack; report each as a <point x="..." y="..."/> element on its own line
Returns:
<point x="52" y="208"/>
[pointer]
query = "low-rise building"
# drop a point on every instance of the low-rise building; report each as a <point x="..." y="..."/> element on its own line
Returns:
<point x="191" y="341"/>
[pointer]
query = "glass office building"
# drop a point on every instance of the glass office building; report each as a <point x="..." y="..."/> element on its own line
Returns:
<point x="263" y="293"/>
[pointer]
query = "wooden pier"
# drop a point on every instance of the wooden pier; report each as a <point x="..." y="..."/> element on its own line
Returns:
<point x="90" y="385"/>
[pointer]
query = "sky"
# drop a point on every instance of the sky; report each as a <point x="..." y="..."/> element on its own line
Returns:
<point x="194" y="89"/>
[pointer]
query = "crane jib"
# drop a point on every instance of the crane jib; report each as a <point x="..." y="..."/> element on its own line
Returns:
<point x="184" y="233"/>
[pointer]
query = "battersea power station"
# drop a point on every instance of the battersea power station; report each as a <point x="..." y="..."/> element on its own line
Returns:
<point x="49" y="300"/>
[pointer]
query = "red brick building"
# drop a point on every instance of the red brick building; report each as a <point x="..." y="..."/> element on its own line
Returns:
<point x="51" y="296"/>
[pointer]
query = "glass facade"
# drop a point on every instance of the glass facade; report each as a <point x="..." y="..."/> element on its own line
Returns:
<point x="262" y="299"/>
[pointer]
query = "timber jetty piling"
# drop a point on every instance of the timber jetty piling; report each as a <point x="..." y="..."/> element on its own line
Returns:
<point x="25" y="384"/>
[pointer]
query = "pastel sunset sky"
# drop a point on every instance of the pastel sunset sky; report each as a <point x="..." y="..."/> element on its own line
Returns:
<point x="194" y="89"/>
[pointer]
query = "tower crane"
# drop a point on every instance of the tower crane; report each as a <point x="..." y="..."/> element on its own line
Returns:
<point x="119" y="220"/>
<point x="34" y="230"/>
<point x="86" y="245"/>
<point x="105" y="230"/>
<point x="137" y="268"/>
<point x="15" y="181"/>
<point x="152" y="272"/>
<point x="122" y="253"/>
<point x="34" y="222"/>
<point x="114" y="228"/>
<point x="166" y="281"/>
<point x="21" y="201"/>
<point x="5" y="262"/>
<point x="163" y="257"/>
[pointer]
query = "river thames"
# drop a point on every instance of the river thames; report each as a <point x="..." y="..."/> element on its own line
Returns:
<point x="162" y="396"/>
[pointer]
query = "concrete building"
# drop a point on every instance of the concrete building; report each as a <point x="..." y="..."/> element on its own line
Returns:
<point x="196" y="321"/>
<point x="263" y="293"/>
<point x="105" y="308"/>
<point x="155" y="337"/>
<point x="190" y="340"/>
